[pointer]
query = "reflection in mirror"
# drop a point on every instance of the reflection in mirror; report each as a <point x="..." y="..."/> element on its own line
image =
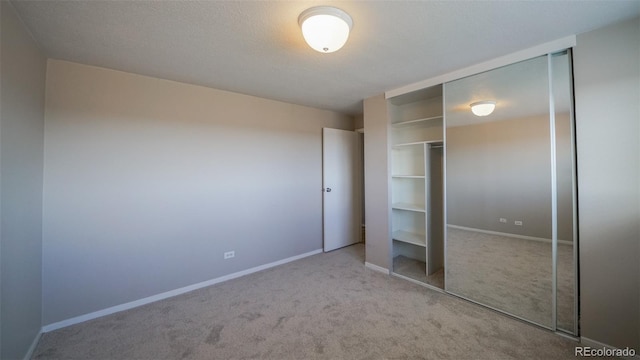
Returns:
<point x="499" y="192"/>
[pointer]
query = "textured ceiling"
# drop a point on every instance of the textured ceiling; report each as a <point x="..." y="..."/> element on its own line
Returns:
<point x="257" y="48"/>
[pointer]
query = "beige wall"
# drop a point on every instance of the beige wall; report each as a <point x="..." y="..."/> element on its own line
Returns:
<point x="502" y="169"/>
<point x="358" y="121"/>
<point x="376" y="183"/>
<point x="21" y="141"/>
<point x="148" y="182"/>
<point x="607" y="90"/>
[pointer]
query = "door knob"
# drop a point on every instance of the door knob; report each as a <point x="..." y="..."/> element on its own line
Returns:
<point x="328" y="189"/>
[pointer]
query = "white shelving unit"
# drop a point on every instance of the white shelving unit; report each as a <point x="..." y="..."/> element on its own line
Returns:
<point x="416" y="179"/>
<point x="415" y="121"/>
<point x="409" y="237"/>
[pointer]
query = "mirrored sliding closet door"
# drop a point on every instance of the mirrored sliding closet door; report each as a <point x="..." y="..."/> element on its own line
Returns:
<point x="510" y="191"/>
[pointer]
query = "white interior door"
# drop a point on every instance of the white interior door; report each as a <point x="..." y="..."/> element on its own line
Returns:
<point x="341" y="191"/>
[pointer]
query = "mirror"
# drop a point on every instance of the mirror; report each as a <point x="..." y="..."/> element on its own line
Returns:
<point x="501" y="192"/>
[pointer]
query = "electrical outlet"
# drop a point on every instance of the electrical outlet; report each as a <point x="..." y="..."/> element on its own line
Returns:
<point x="503" y="220"/>
<point x="229" y="254"/>
<point x="518" y="222"/>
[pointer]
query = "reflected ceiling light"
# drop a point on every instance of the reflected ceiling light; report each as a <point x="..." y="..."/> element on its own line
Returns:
<point x="483" y="108"/>
<point x="325" y="28"/>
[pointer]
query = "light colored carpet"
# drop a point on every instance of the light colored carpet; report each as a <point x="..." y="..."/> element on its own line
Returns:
<point x="510" y="274"/>
<point x="327" y="306"/>
<point x="417" y="270"/>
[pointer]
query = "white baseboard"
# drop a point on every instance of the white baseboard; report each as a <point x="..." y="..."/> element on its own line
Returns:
<point x="376" y="268"/>
<point x="168" y="294"/>
<point x="598" y="345"/>
<point x="418" y="282"/>
<point x="524" y="237"/>
<point x="32" y="348"/>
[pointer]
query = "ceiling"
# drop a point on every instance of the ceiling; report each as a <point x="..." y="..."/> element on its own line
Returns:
<point x="256" y="47"/>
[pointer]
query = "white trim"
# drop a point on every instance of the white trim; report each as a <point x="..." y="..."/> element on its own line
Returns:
<point x="567" y="335"/>
<point x="376" y="268"/>
<point x="171" y="293"/>
<point x="597" y="344"/>
<point x="418" y="282"/>
<point x="32" y="348"/>
<point x="524" y="237"/>
<point x="542" y="49"/>
<point x="594" y="343"/>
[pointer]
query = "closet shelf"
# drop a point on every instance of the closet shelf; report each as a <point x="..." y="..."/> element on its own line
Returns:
<point x="435" y="142"/>
<point x="415" y="121"/>
<point x="408" y="207"/>
<point x="409" y="237"/>
<point x="409" y="176"/>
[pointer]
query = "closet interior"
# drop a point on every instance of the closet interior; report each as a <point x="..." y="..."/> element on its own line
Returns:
<point x="416" y="186"/>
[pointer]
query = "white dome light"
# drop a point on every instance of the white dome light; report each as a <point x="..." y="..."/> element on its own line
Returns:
<point x="325" y="29"/>
<point x="483" y="108"/>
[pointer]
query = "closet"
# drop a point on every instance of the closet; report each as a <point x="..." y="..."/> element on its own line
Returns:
<point x="416" y="123"/>
<point x="483" y="206"/>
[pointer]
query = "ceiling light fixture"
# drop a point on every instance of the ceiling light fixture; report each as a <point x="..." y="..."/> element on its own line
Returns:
<point x="325" y="28"/>
<point x="483" y="108"/>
